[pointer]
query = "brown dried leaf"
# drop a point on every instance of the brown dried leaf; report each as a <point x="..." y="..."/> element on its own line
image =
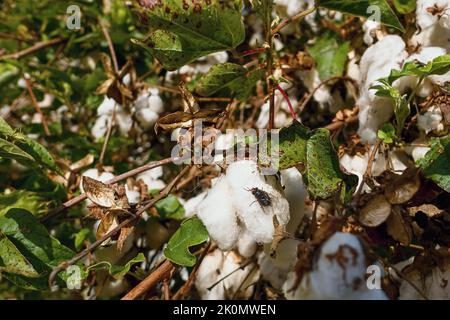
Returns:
<point x="399" y="229"/>
<point x="189" y="102"/>
<point x="375" y="212"/>
<point x="429" y="209"/>
<point x="98" y="192"/>
<point x="279" y="235"/>
<point x="108" y="223"/>
<point x="124" y="233"/>
<point x="82" y="163"/>
<point x="96" y="211"/>
<point x="179" y="119"/>
<point x="401" y="189"/>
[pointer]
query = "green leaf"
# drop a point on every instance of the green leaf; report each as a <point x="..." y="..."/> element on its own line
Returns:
<point x="436" y="162"/>
<point x="365" y="8"/>
<point x="11" y="260"/>
<point x="170" y="208"/>
<point x="330" y="55"/>
<point x="10" y="151"/>
<point x="438" y="66"/>
<point x="80" y="237"/>
<point x="182" y="31"/>
<point x="16" y="145"/>
<point x="115" y="271"/>
<point x="293" y="140"/>
<point x="405" y="6"/>
<point x="228" y="76"/>
<point x="387" y="133"/>
<point x="324" y="177"/>
<point x="191" y="232"/>
<point x="32" y="239"/>
<point x="36" y="203"/>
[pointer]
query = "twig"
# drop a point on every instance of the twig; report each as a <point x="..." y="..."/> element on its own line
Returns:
<point x="164" y="193"/>
<point x="241" y="267"/>
<point x="36" y="104"/>
<point x="156" y="276"/>
<point x="110" y="46"/>
<point x="123" y="176"/>
<point x="108" y="135"/>
<point x="293" y="18"/>
<point x="38" y="46"/>
<point x="187" y="285"/>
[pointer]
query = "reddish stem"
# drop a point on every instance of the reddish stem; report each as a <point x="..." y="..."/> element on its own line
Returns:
<point x="285" y="96"/>
<point x="253" y="51"/>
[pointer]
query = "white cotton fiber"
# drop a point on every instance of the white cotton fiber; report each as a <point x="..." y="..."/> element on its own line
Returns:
<point x="219" y="216"/>
<point x="430" y="120"/>
<point x="242" y="177"/>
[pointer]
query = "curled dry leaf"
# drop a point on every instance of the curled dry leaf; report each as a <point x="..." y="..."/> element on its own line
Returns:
<point x="398" y="228"/>
<point x="124" y="233"/>
<point x="82" y="163"/>
<point x="402" y="188"/>
<point x="108" y="223"/>
<point x="183" y="119"/>
<point x="375" y="212"/>
<point x="111" y="197"/>
<point x="189" y="102"/>
<point x="279" y="235"/>
<point x="429" y="209"/>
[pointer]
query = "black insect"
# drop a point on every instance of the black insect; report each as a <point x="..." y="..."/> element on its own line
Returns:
<point x="261" y="196"/>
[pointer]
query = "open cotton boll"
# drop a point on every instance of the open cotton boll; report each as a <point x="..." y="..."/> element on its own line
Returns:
<point x="147" y="118"/>
<point x="242" y="177"/>
<point x="218" y="265"/>
<point x="151" y="178"/>
<point x="219" y="216"/>
<point x="370" y="27"/>
<point x="133" y="196"/>
<point x="106" y="107"/>
<point x="433" y="25"/>
<point x="209" y="273"/>
<point x="191" y="205"/>
<point x="312" y="80"/>
<point x="100" y="127"/>
<point x="295" y="192"/>
<point x="282" y="115"/>
<point x="246" y="244"/>
<point x="377" y="62"/>
<point x="430" y="120"/>
<point x="339" y="272"/>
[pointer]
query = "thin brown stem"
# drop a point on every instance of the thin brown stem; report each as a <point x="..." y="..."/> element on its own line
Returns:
<point x="123" y="176"/>
<point x="298" y="16"/>
<point x="36" y="105"/>
<point x="38" y="46"/>
<point x="108" y="135"/>
<point x="110" y="46"/>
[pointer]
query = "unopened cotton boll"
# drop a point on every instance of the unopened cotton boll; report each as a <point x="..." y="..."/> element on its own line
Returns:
<point x="243" y="176"/>
<point x="219" y="216"/>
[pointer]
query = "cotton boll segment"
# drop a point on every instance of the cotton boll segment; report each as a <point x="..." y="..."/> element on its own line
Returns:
<point x="296" y="194"/>
<point x="246" y="245"/>
<point x="191" y="205"/>
<point x="219" y="216"/>
<point x="95" y="174"/>
<point x="377" y="62"/>
<point x="152" y="178"/>
<point x="243" y="177"/>
<point x="218" y="265"/>
<point x="431" y="120"/>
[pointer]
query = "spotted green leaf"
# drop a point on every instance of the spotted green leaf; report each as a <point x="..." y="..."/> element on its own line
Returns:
<point x="183" y="31"/>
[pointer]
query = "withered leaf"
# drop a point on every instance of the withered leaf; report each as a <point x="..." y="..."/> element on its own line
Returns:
<point x="107" y="224"/>
<point x="429" y="209"/>
<point x="375" y="212"/>
<point x="124" y="233"/>
<point x="98" y="192"/>
<point x="179" y="119"/>
<point x="399" y="229"/>
<point x="189" y="102"/>
<point x="401" y="188"/>
<point x="279" y="235"/>
<point x="82" y="163"/>
<point x="96" y="211"/>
